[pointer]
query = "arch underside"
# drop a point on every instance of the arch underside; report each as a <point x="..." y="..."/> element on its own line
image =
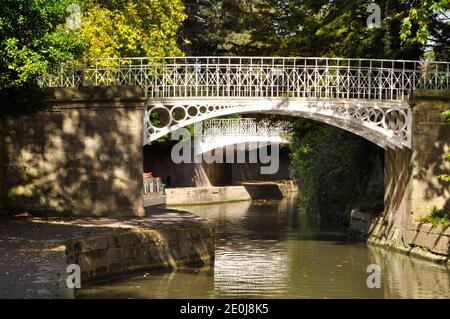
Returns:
<point x="385" y="123"/>
<point x="208" y="143"/>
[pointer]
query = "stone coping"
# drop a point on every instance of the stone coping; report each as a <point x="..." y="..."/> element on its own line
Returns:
<point x="37" y="250"/>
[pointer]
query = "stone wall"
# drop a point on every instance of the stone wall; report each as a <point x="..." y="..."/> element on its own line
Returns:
<point x="175" y="242"/>
<point x="269" y="189"/>
<point x="244" y="191"/>
<point x="412" y="189"/>
<point x="82" y="157"/>
<point x="159" y="163"/>
<point x="2" y="172"/>
<point x="252" y="171"/>
<point x="205" y="195"/>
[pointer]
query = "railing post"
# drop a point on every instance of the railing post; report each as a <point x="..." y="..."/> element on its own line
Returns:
<point x="228" y="78"/>
<point x="348" y="78"/>
<point x="380" y="83"/>
<point x="272" y="78"/>
<point x="392" y="81"/>
<point x="447" y="75"/>
<point x="359" y="78"/>
<point x="327" y="77"/>
<point x="185" y="79"/>
<point x="338" y="78"/>
<point x="217" y="78"/>
<point x="403" y="80"/>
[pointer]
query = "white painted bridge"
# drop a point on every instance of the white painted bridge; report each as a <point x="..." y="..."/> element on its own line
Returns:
<point x="244" y="132"/>
<point x="367" y="97"/>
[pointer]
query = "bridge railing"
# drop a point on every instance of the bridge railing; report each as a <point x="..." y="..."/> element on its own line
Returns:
<point x="242" y="126"/>
<point x="257" y="77"/>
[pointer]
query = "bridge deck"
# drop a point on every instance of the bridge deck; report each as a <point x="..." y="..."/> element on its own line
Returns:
<point x="370" y="96"/>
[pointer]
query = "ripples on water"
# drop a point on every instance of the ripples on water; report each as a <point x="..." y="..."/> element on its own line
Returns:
<point x="269" y="249"/>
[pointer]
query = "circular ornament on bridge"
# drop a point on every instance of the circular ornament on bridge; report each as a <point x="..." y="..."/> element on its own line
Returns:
<point x="395" y="120"/>
<point x="203" y="109"/>
<point x="192" y="111"/>
<point x="159" y="117"/>
<point x="342" y="109"/>
<point x="351" y="111"/>
<point x="375" y="116"/>
<point x="362" y="113"/>
<point x="179" y="114"/>
<point x="403" y="134"/>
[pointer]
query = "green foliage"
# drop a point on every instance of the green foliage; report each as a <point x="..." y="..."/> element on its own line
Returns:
<point x="437" y="217"/>
<point x="334" y="169"/>
<point x="446" y="114"/>
<point x="32" y="38"/>
<point x="427" y="23"/>
<point x="128" y="28"/>
<point x="213" y="27"/>
<point x="297" y="28"/>
<point x="446" y="177"/>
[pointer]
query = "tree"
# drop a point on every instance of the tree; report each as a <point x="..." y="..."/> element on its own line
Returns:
<point x="328" y="28"/>
<point x="32" y="38"/>
<point x="316" y="28"/>
<point x="428" y="23"/>
<point x="128" y="28"/>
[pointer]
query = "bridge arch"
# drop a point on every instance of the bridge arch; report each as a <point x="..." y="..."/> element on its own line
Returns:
<point x="385" y="123"/>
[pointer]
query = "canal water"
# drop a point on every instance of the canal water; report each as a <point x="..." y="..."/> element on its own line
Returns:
<point x="269" y="249"/>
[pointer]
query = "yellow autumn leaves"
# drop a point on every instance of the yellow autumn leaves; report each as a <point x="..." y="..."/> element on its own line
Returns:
<point x="127" y="28"/>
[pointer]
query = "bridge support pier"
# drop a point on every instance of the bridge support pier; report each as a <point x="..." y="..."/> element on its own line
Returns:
<point x="82" y="158"/>
<point x="412" y="189"/>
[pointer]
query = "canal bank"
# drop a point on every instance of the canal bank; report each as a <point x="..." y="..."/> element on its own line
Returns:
<point x="245" y="191"/>
<point x="420" y="240"/>
<point x="36" y="250"/>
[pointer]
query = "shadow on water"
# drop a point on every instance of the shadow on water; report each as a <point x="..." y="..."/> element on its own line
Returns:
<point x="269" y="249"/>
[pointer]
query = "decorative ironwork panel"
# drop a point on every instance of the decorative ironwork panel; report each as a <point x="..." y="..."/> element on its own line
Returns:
<point x="241" y="126"/>
<point x="249" y="77"/>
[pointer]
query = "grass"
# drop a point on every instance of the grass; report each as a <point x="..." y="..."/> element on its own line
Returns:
<point x="437" y="217"/>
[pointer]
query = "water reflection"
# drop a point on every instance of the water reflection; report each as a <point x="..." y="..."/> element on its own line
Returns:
<point x="411" y="277"/>
<point x="270" y="249"/>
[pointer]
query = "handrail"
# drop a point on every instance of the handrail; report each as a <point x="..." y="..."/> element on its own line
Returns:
<point x="252" y="77"/>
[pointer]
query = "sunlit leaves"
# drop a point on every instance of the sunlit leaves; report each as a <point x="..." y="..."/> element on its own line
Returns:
<point x="422" y="15"/>
<point x="130" y="28"/>
<point x="32" y="37"/>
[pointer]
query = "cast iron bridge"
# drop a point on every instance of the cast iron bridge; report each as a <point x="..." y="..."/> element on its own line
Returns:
<point x="243" y="132"/>
<point x="365" y="96"/>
